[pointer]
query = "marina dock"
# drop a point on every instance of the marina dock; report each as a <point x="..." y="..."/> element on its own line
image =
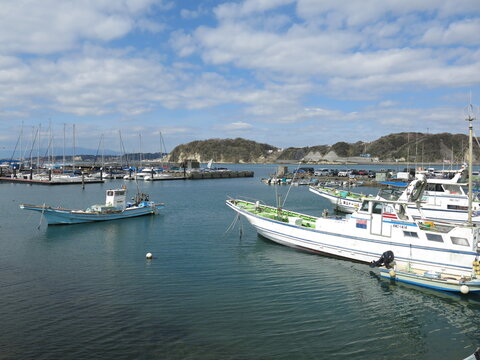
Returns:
<point x="178" y="175"/>
<point x="51" y="182"/>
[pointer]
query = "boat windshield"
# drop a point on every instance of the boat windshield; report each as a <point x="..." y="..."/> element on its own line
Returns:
<point x="390" y="194"/>
<point x="364" y="206"/>
<point x="453" y="189"/>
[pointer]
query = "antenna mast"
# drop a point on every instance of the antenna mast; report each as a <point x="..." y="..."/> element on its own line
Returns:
<point x="470" y="112"/>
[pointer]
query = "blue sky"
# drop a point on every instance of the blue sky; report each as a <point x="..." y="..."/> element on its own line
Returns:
<point x="283" y="72"/>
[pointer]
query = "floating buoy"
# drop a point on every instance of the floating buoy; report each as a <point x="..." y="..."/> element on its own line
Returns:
<point x="392" y="273"/>
<point x="149" y="256"/>
<point x="464" y="289"/>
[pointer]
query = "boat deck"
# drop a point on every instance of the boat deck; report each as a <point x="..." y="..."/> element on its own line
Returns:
<point x="273" y="213"/>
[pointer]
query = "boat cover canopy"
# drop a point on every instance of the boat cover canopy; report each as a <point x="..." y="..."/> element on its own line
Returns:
<point x="393" y="183"/>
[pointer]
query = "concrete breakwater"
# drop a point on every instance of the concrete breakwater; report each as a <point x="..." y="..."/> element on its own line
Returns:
<point x="218" y="174"/>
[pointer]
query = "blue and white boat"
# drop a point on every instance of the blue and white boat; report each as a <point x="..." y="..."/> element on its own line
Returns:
<point x="115" y="207"/>
<point x="436" y="280"/>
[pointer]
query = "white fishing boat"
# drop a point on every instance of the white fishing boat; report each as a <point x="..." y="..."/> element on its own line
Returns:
<point x="115" y="207"/>
<point x="376" y="227"/>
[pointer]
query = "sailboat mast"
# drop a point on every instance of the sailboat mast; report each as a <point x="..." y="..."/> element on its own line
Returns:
<point x="21" y="146"/>
<point x="73" y="149"/>
<point x="63" y="165"/>
<point x="470" y="119"/>
<point x="38" y="147"/>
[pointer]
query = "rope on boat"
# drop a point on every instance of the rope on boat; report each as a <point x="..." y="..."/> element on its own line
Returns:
<point x="41" y="217"/>
<point x="293" y="179"/>
<point x="232" y="225"/>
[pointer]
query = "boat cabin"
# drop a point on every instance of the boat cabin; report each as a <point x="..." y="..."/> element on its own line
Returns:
<point x="116" y="198"/>
<point x="386" y="218"/>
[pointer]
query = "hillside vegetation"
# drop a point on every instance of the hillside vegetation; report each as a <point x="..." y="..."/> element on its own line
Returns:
<point x="401" y="146"/>
<point x="223" y="150"/>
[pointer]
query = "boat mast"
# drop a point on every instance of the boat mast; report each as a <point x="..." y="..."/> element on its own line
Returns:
<point x="63" y="165"/>
<point x="140" y="154"/>
<point x="38" y="147"/>
<point x="21" y="146"/>
<point x="469" y="113"/>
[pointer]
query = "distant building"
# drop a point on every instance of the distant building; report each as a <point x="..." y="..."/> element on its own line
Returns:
<point x="193" y="164"/>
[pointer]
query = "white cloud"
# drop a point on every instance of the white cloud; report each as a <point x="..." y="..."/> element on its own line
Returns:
<point x="359" y="13"/>
<point x="377" y="46"/>
<point x="387" y="103"/>
<point x="463" y="32"/>
<point x="248" y="7"/>
<point x="49" y="26"/>
<point x="182" y="43"/>
<point x="236" y="126"/>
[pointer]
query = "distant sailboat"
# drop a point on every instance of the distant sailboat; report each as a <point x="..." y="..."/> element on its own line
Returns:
<point x="209" y="165"/>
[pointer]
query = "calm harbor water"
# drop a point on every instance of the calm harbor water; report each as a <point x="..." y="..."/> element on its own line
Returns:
<point x="87" y="292"/>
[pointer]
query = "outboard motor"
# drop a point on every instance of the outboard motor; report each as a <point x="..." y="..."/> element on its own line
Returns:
<point x="385" y="260"/>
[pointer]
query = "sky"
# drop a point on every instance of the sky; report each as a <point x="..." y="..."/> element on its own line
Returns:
<point x="282" y="72"/>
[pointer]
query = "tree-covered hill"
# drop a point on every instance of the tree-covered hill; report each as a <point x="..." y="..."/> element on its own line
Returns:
<point x="223" y="150"/>
<point x="404" y="146"/>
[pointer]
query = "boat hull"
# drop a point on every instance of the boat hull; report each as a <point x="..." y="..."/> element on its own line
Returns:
<point x="58" y="216"/>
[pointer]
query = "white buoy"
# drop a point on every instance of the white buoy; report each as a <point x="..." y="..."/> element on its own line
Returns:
<point x="464" y="289"/>
<point x="149" y="256"/>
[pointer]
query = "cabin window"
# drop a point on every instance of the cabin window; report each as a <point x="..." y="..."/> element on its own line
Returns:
<point x="459" y="241"/>
<point x="364" y="206"/>
<point x="410" y="234"/>
<point x="434" y="237"/>
<point x="457" y="207"/>
<point x="435" y="187"/>
<point x="389" y="209"/>
<point x="121" y="192"/>
<point x="401" y="213"/>
<point x="109" y="193"/>
<point x="452" y="189"/>
<point x="377" y="208"/>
